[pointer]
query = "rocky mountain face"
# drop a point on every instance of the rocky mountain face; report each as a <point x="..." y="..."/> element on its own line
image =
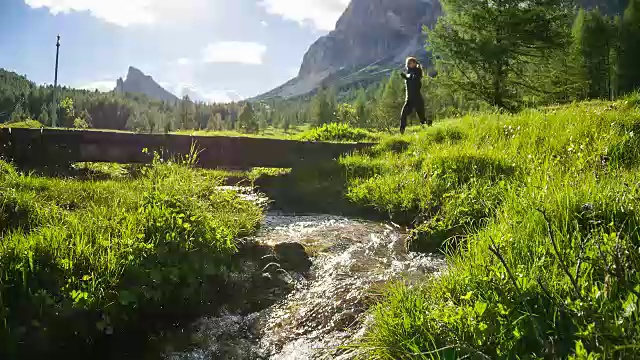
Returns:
<point x="139" y="83"/>
<point x="370" y="30"/>
<point x="374" y="36"/>
<point x="370" y="33"/>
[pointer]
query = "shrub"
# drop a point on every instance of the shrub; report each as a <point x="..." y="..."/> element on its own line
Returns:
<point x="337" y="132"/>
<point x="26" y="124"/>
<point x="80" y="123"/>
<point x="83" y="259"/>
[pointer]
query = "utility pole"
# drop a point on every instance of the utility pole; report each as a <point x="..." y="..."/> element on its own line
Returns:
<point x="54" y="112"/>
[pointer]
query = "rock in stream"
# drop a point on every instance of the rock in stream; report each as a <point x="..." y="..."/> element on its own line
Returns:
<point x="331" y="267"/>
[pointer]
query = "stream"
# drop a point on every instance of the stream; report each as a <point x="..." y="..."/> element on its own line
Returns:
<point x="321" y="273"/>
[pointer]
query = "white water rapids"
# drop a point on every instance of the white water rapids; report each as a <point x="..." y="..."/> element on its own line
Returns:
<point x="327" y="309"/>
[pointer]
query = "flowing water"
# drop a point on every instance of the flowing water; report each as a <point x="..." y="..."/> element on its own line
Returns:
<point x="324" y="307"/>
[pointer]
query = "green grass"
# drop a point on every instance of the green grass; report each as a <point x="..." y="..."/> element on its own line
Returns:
<point x="538" y="215"/>
<point x="337" y="132"/>
<point x="27" y="124"/>
<point x="80" y="259"/>
<point x="271" y="132"/>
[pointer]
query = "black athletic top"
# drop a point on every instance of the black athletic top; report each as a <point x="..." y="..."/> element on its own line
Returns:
<point x="413" y="80"/>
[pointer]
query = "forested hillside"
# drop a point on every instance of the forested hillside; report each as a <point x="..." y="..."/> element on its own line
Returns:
<point x="555" y="54"/>
<point x="22" y="100"/>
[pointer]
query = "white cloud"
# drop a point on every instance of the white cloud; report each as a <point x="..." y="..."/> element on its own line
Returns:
<point x="264" y="23"/>
<point x="129" y="12"/>
<point x="103" y="86"/>
<point x="234" y="52"/>
<point x="210" y="96"/>
<point x="323" y="14"/>
<point x="184" y="61"/>
<point x="222" y="96"/>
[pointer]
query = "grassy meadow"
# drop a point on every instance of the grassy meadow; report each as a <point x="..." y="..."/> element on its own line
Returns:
<point x="82" y="258"/>
<point x="538" y="213"/>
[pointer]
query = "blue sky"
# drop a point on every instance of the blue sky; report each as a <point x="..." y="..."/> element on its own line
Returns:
<point x="214" y="48"/>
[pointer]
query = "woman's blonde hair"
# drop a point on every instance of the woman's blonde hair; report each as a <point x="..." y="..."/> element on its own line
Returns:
<point x="410" y="59"/>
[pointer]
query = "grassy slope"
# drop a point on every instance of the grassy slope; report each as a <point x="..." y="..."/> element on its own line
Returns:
<point x="485" y="187"/>
<point x="92" y="257"/>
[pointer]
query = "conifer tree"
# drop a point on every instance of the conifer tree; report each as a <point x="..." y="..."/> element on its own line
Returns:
<point x="18" y="114"/>
<point x="187" y="113"/>
<point x="390" y="103"/>
<point x="360" y="106"/>
<point x="629" y="49"/>
<point x="247" y="119"/>
<point x="593" y="36"/>
<point x="487" y="46"/>
<point x="43" y="118"/>
<point x="323" y="107"/>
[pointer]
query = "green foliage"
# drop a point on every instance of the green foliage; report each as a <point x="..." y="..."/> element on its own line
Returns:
<point x="594" y="43"/>
<point x="336" y="132"/>
<point x="247" y="121"/>
<point x="80" y="123"/>
<point x="629" y="52"/>
<point x="286" y="125"/>
<point x="81" y="259"/>
<point x="486" y="49"/>
<point x="346" y="114"/>
<point x="215" y="123"/>
<point x="26" y="124"/>
<point x="538" y="215"/>
<point x="44" y="115"/>
<point x="387" y="115"/>
<point x="323" y="107"/>
<point x="67" y="113"/>
<point x="360" y="107"/>
<point x="187" y="113"/>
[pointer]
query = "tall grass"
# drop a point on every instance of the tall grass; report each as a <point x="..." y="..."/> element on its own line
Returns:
<point x="84" y="259"/>
<point x="337" y="132"/>
<point x="538" y="214"/>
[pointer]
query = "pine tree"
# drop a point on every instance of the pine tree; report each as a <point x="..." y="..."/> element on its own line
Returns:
<point x="323" y="107"/>
<point x="390" y="103"/>
<point x="18" y="114"/>
<point x="215" y="122"/>
<point x="593" y="36"/>
<point x="247" y="119"/>
<point x="629" y="49"/>
<point x="485" y="47"/>
<point x="286" y="124"/>
<point x="43" y="118"/>
<point x="187" y="114"/>
<point x="263" y="125"/>
<point x="360" y="106"/>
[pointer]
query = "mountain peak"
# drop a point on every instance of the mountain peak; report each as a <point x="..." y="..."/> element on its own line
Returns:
<point x="134" y="71"/>
<point x="140" y="83"/>
<point x="369" y="32"/>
